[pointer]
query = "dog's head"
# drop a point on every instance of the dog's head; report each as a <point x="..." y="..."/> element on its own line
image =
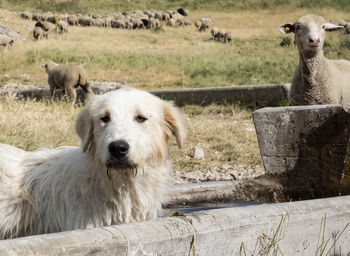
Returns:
<point x="129" y="127"/>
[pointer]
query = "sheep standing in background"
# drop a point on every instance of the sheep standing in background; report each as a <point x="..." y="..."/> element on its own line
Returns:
<point x="214" y="31"/>
<point x="227" y="37"/>
<point x="203" y="26"/>
<point x="73" y="20"/>
<point x="317" y="80"/>
<point x="6" y="41"/>
<point x="39" y="33"/>
<point x="26" y="15"/>
<point x="67" y="77"/>
<point x="62" y="27"/>
<point x="197" y="24"/>
<point x="183" y="12"/>
<point x="45" y="25"/>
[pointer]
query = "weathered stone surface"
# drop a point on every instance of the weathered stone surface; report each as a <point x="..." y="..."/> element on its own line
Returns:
<point x="308" y="145"/>
<point x="251" y="96"/>
<point x="263" y="189"/>
<point x="215" y="232"/>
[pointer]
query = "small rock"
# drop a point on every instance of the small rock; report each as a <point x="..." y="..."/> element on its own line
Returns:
<point x="198" y="152"/>
<point x="226" y="167"/>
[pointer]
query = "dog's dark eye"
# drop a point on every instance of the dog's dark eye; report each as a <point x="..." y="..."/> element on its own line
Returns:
<point x="105" y="119"/>
<point x="140" y="119"/>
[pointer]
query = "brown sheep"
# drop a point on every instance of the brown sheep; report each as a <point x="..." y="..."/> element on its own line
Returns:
<point x="67" y="77"/>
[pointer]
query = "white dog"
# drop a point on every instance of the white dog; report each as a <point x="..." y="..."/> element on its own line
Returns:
<point x="119" y="174"/>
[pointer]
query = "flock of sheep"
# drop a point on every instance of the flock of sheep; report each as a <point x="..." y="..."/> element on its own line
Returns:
<point x="317" y="80"/>
<point x="126" y="20"/>
<point x="221" y="35"/>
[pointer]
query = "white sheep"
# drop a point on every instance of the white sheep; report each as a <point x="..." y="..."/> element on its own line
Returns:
<point x="317" y="80"/>
<point x="6" y="40"/>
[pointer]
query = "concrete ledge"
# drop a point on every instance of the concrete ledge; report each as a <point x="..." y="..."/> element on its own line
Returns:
<point x="308" y="146"/>
<point x="215" y="232"/>
<point x="262" y="189"/>
<point x="251" y="96"/>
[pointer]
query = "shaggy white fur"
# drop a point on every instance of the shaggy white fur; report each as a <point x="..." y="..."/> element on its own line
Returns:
<point x="119" y="174"/>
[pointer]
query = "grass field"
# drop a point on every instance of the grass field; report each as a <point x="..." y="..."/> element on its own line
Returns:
<point x="225" y="133"/>
<point x="162" y="58"/>
<point x="170" y="57"/>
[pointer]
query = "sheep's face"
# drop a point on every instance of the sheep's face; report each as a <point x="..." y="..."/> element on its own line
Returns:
<point x="309" y="32"/>
<point x="49" y="65"/>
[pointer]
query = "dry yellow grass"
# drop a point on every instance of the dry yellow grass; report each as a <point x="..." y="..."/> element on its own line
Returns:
<point x="225" y="133"/>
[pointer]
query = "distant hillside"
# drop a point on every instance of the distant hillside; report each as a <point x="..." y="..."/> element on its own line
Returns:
<point x="105" y="6"/>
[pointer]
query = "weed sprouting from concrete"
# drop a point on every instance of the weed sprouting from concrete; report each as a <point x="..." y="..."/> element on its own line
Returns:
<point x="321" y="250"/>
<point x="267" y="245"/>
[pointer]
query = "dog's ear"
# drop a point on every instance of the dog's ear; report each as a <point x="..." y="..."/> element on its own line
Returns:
<point x="84" y="128"/>
<point x="175" y="123"/>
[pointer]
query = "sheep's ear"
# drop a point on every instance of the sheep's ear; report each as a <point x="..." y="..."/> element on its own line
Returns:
<point x="286" y="28"/>
<point x="331" y="27"/>
<point x="84" y="128"/>
<point x="175" y="123"/>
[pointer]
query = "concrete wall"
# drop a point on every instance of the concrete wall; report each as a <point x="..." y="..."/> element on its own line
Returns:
<point x="262" y="189"/>
<point x="215" y="232"/>
<point x="251" y="96"/>
<point x="308" y="147"/>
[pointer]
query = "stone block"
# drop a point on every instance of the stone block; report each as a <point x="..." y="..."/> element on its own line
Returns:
<point x="307" y="146"/>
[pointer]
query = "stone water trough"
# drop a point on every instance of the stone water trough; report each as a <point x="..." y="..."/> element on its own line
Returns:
<point x="305" y="151"/>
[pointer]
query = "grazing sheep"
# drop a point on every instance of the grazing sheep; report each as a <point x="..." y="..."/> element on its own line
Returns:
<point x="39" y="33"/>
<point x="187" y="22"/>
<point x="171" y="22"/>
<point x="183" y="12"/>
<point x="342" y="22"/>
<point x="6" y="41"/>
<point x="197" y="24"/>
<point x="165" y="16"/>
<point x="227" y="37"/>
<point x="317" y="80"/>
<point x="45" y="25"/>
<point x="204" y="25"/>
<point x="67" y="77"/>
<point x="214" y="32"/>
<point x="73" y="20"/>
<point x="26" y="15"/>
<point x="221" y="34"/>
<point x="62" y="27"/>
<point x="117" y="24"/>
<point x="286" y="41"/>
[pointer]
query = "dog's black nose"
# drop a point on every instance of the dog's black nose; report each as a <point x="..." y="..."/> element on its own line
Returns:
<point x="118" y="148"/>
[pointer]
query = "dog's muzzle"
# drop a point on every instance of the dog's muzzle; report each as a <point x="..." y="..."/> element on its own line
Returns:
<point x="118" y="151"/>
